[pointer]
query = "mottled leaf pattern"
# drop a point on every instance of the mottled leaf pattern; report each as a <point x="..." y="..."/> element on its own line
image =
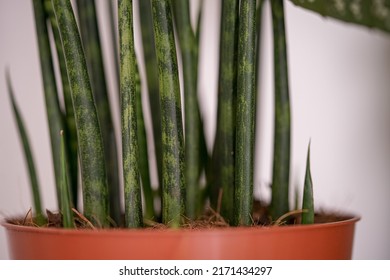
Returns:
<point x="143" y="159"/>
<point x="70" y="124"/>
<point x="91" y="149"/>
<point x="188" y="47"/>
<point x="222" y="175"/>
<point x="145" y="10"/>
<point x="133" y="202"/>
<point x="245" y="122"/>
<point x="93" y="54"/>
<point x="171" y="116"/>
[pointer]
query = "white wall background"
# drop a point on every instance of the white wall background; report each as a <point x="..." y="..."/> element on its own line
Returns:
<point x="340" y="94"/>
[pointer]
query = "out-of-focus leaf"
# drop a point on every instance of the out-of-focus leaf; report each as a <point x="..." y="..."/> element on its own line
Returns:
<point x="370" y="13"/>
<point x="66" y="205"/>
<point x="40" y="219"/>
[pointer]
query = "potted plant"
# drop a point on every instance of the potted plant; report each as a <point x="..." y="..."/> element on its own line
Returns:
<point x="182" y="155"/>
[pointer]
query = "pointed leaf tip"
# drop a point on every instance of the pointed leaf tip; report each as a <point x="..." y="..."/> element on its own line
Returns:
<point x="308" y="198"/>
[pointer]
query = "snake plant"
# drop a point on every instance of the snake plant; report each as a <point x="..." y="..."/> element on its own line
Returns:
<point x="190" y="175"/>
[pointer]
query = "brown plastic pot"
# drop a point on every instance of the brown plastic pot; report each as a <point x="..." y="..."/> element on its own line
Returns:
<point x="319" y="241"/>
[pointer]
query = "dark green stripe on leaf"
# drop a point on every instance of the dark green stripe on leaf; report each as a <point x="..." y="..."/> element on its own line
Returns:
<point x="171" y="117"/>
<point x="91" y="151"/>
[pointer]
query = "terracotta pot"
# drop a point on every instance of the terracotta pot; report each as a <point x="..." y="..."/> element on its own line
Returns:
<point x="319" y="241"/>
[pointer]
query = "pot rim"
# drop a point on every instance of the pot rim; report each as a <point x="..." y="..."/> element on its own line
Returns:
<point x="350" y="219"/>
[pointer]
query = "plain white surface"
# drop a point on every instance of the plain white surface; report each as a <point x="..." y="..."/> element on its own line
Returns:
<point x="201" y="269"/>
<point x="340" y="96"/>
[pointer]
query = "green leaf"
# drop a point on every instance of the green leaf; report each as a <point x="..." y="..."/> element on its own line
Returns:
<point x="93" y="54"/>
<point x="369" y="13"/>
<point x="222" y="174"/>
<point x="66" y="205"/>
<point x="308" y="199"/>
<point x="149" y="51"/>
<point x="259" y="19"/>
<point x="245" y="122"/>
<point x="112" y="6"/>
<point x="205" y="159"/>
<point x="188" y="48"/>
<point x="53" y="111"/>
<point x="70" y="124"/>
<point x="143" y="154"/>
<point x="198" y="30"/>
<point x="171" y="115"/>
<point x="281" y="161"/>
<point x="130" y="152"/>
<point x="91" y="149"/>
<point x="38" y="213"/>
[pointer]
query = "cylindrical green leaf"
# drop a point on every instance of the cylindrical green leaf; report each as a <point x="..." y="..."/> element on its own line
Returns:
<point x="143" y="154"/>
<point x="198" y="30"/>
<point x="91" y="150"/>
<point x="112" y="7"/>
<point x="245" y="124"/>
<point x="308" y="197"/>
<point x="188" y="47"/>
<point x="70" y="124"/>
<point x="150" y="59"/>
<point x="133" y="202"/>
<point x="222" y="174"/>
<point x="171" y="116"/>
<point x="259" y="19"/>
<point x="54" y="114"/>
<point x="66" y="208"/>
<point x="281" y="164"/>
<point x="259" y="33"/>
<point x="93" y="53"/>
<point x="205" y="160"/>
<point x="35" y="188"/>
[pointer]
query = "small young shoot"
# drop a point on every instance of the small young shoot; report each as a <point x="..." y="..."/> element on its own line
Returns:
<point x="308" y="201"/>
